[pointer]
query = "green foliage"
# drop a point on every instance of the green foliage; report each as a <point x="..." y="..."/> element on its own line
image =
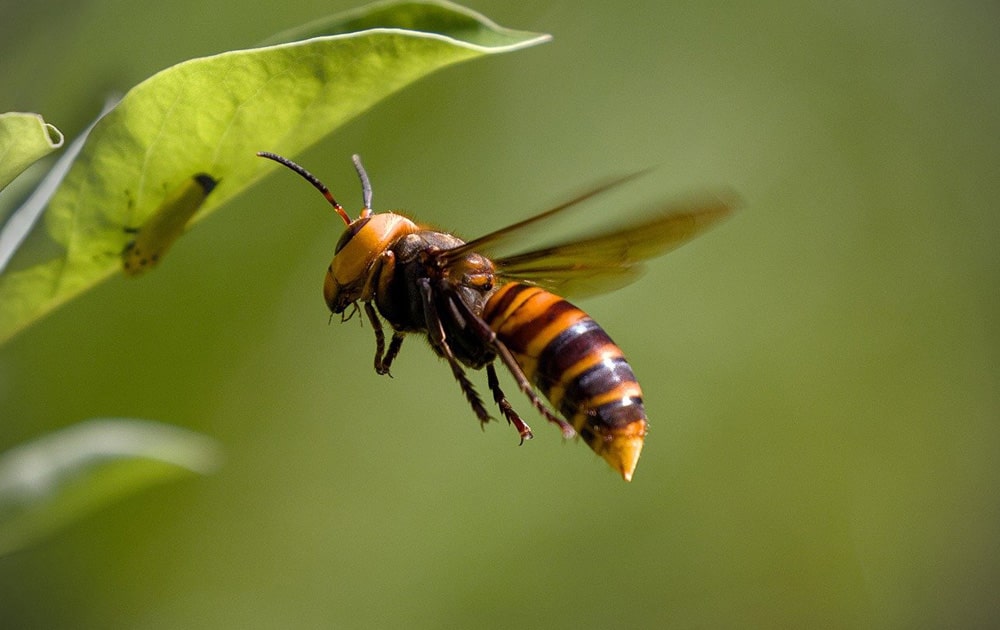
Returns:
<point x="211" y="115"/>
<point x="61" y="477"/>
<point x="24" y="139"/>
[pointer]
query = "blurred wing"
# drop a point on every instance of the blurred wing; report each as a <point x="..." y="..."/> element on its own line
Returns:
<point x="498" y="239"/>
<point x="601" y="262"/>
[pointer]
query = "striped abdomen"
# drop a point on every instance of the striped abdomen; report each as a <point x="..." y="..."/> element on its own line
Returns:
<point x="574" y="363"/>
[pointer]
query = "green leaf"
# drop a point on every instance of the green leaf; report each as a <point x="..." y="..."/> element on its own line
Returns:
<point x="62" y="477"/>
<point x="20" y="221"/>
<point x="210" y="116"/>
<point x="24" y="139"/>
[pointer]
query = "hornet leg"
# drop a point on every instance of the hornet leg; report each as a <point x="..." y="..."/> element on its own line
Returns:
<point x="505" y="407"/>
<point x="383" y="361"/>
<point x="480" y="327"/>
<point x="436" y="334"/>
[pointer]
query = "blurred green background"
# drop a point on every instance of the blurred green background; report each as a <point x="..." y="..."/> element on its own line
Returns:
<point x="821" y="372"/>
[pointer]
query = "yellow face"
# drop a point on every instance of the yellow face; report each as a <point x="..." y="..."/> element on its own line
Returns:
<point x="348" y="279"/>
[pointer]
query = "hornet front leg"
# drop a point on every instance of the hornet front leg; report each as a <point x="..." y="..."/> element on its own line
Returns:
<point x="383" y="361"/>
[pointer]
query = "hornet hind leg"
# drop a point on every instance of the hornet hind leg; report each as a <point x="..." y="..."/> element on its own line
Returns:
<point x="486" y="334"/>
<point x="505" y="407"/>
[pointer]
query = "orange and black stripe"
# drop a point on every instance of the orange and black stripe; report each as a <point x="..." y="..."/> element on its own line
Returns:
<point x="576" y="365"/>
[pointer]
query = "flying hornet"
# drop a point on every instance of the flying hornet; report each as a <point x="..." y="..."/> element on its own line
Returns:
<point x="476" y="309"/>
